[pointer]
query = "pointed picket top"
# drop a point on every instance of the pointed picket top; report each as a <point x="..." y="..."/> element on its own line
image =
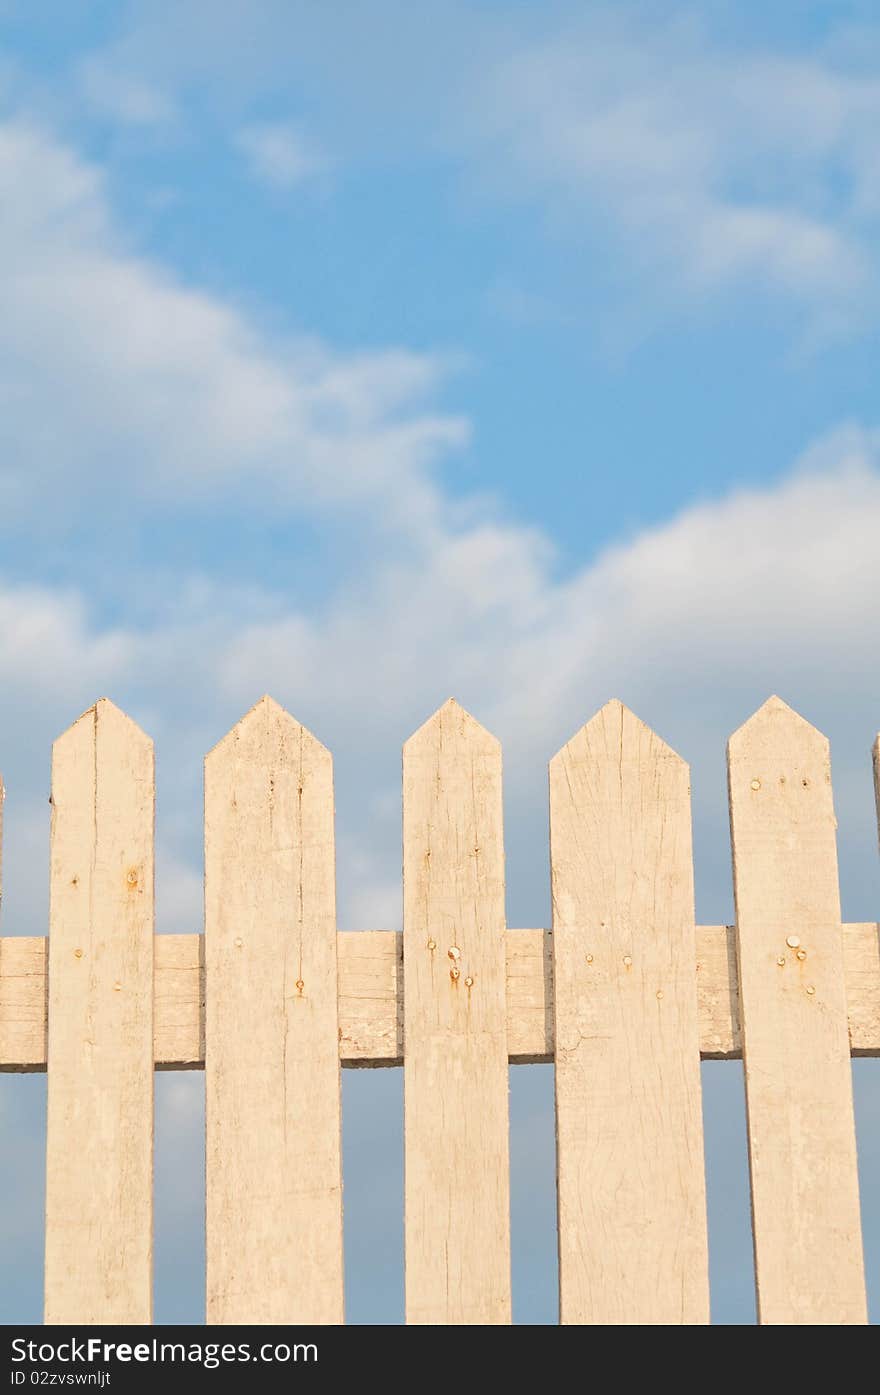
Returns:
<point x="773" y="719"/>
<point x="103" y="716"/>
<point x="621" y="729"/>
<point x="451" y="720"/>
<point x="266" y="716"/>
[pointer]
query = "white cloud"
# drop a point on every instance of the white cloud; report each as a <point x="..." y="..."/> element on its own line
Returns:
<point x="104" y="357"/>
<point x="279" y="154"/>
<point x="721" y="167"/>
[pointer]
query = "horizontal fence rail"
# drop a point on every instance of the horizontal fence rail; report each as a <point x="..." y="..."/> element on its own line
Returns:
<point x="370" y="997"/>
<point x="624" y="994"/>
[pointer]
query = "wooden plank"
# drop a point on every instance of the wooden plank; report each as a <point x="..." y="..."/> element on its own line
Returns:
<point x="273" y="1169"/>
<point x="371" y="997"/>
<point x="24" y="1002"/>
<point x="802" y="1144"/>
<point x="861" y="961"/>
<point x="179" y="1001"/>
<point x="99" y="1136"/>
<point x="633" y="1243"/>
<point x="717" y="993"/>
<point x="529" y="996"/>
<point x="457" y="1221"/>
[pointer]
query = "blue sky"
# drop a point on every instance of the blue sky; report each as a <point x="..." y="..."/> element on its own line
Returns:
<point x="365" y="354"/>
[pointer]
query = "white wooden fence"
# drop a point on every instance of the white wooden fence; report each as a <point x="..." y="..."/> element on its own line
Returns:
<point x="625" y="994"/>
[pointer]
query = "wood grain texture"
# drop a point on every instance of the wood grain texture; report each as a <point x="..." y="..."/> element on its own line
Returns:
<point x="99" y="1148"/>
<point x="802" y="1145"/>
<point x="633" y="1245"/>
<point x="371" y="997"/>
<point x="179" y="1001"/>
<point x="24" y="1003"/>
<point x="273" y="1169"/>
<point x="457" y="1205"/>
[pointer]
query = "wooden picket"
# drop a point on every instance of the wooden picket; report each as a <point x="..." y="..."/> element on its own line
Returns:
<point x="273" y="1166"/>
<point x="802" y="1142"/>
<point x="456" y="1186"/>
<point x="99" y="1132"/>
<point x="625" y="994"/>
<point x="631" y="1193"/>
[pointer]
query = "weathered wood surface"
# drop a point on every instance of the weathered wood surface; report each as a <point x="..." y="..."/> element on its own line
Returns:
<point x="273" y="1156"/>
<point x="371" y="997"/>
<point x="456" y="1175"/>
<point x="802" y="1143"/>
<point x="99" y="1133"/>
<point x="633" y="1245"/>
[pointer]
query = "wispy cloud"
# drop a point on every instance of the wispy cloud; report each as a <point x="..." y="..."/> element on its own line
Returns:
<point x="691" y="167"/>
<point x="124" y="97"/>
<point x="720" y="168"/>
<point x="279" y="154"/>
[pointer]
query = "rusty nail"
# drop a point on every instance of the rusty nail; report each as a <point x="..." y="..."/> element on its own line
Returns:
<point x="589" y="958"/>
<point x="468" y="983"/>
<point x="780" y="959"/>
<point x="299" y="985"/>
<point x="627" y="959"/>
<point x="801" y="954"/>
<point x="454" y="972"/>
<point x="432" y="944"/>
<point x="455" y="952"/>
